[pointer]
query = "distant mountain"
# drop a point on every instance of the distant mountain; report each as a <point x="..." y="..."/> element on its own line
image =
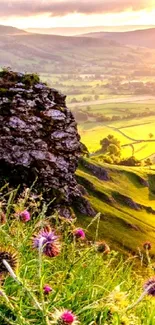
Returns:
<point x="142" y="38"/>
<point x="97" y="54"/>
<point x="8" y="30"/>
<point x="68" y="31"/>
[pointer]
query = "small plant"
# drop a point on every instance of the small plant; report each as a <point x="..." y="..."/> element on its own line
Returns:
<point x="30" y="79"/>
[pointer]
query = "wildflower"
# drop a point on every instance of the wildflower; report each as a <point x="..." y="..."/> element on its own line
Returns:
<point x="149" y="287"/>
<point x="79" y="233"/>
<point x="47" y="289"/>
<point x="8" y="261"/>
<point x="25" y="216"/>
<point x="65" y="317"/>
<point x="48" y="242"/>
<point x="147" y="246"/>
<point x="102" y="247"/>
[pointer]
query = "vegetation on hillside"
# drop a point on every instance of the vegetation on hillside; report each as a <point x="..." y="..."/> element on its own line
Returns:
<point x="125" y="198"/>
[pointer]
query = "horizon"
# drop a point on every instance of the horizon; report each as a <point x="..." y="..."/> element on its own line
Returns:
<point x="79" y="30"/>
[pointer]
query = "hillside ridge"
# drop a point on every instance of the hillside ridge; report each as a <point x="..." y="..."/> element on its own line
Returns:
<point x="11" y="30"/>
<point x="125" y="199"/>
<point x="141" y="37"/>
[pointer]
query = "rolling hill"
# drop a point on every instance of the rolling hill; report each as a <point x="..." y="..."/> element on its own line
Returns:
<point x="141" y="38"/>
<point x="125" y="198"/>
<point x="60" y="54"/>
<point x="72" y="31"/>
<point x="8" y="30"/>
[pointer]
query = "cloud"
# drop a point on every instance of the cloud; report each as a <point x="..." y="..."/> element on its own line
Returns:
<point x="64" y="7"/>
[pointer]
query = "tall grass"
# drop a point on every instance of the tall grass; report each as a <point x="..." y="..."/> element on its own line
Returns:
<point x="97" y="287"/>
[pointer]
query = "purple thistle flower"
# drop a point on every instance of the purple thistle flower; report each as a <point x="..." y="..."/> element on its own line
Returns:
<point x="25" y="216"/>
<point x="67" y="317"/>
<point x="47" y="289"/>
<point x="149" y="287"/>
<point x="48" y="241"/>
<point x="79" y="233"/>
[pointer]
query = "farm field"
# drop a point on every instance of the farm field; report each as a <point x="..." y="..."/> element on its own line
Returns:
<point x="129" y="117"/>
<point x="135" y="131"/>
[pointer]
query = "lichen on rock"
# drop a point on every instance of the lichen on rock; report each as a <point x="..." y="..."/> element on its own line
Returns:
<point x="38" y="137"/>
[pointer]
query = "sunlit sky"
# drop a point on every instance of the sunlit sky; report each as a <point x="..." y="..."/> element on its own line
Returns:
<point x="70" y="13"/>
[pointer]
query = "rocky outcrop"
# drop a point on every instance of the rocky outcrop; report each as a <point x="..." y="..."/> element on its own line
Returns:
<point x="125" y="200"/>
<point x="38" y="137"/>
<point x="95" y="170"/>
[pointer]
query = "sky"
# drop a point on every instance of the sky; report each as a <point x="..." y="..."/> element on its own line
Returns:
<point x="76" y="13"/>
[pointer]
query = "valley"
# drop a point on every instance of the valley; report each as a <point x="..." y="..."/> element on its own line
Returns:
<point x="129" y="117"/>
<point x="77" y="162"/>
<point x="110" y="88"/>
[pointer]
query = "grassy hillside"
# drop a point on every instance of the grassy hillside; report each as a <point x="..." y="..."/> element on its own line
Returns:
<point x="126" y="202"/>
<point x="8" y="30"/>
<point x="58" y="54"/>
<point x="144" y="38"/>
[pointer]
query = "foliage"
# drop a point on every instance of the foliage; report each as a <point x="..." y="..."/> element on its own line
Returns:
<point x="111" y="148"/>
<point x="148" y="162"/>
<point x="30" y="79"/>
<point x="131" y="161"/>
<point x="97" y="287"/>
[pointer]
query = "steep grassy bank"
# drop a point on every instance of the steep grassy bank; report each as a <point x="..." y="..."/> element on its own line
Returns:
<point x="125" y="199"/>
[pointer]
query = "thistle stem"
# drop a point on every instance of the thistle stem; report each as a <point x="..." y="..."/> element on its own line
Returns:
<point x="41" y="242"/>
<point x="13" y="275"/>
<point x="10" y="270"/>
<point x="141" y="297"/>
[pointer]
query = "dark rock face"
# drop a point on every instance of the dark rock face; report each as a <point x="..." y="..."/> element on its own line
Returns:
<point x="38" y="137"/>
<point x="97" y="171"/>
<point x="126" y="201"/>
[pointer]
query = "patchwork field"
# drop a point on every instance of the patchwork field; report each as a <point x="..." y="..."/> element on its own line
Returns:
<point x="138" y="132"/>
<point x="101" y="110"/>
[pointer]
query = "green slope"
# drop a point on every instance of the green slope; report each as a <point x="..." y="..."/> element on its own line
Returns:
<point x="126" y="203"/>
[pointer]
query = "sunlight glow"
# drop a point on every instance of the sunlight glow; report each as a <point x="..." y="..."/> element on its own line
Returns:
<point x="143" y="17"/>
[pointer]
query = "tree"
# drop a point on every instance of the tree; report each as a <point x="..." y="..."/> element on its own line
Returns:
<point x="151" y="135"/>
<point x="110" y="139"/>
<point x="111" y="149"/>
<point x="96" y="97"/>
<point x="131" y="161"/>
<point x="114" y="150"/>
<point x="148" y="162"/>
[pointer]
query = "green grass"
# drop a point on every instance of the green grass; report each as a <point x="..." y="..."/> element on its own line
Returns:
<point x="98" y="288"/>
<point x="122" y="224"/>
